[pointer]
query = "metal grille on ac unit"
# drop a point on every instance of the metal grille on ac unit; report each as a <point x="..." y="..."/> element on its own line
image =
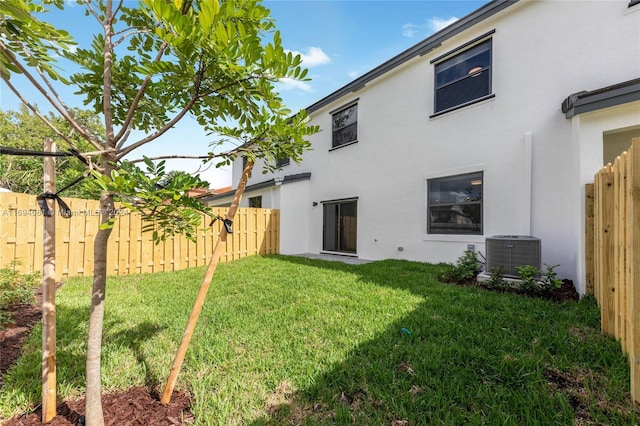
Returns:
<point x="512" y="251"/>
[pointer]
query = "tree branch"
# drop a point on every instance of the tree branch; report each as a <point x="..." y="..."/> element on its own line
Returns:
<point x="175" y="119"/>
<point x="136" y="100"/>
<point x="107" y="74"/>
<point x="170" y="157"/>
<point x="125" y="35"/>
<point x="37" y="113"/>
<point x="88" y="136"/>
<point x="92" y="11"/>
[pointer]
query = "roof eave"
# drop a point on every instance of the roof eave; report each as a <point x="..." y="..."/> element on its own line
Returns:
<point x="605" y="97"/>
<point x="419" y="49"/>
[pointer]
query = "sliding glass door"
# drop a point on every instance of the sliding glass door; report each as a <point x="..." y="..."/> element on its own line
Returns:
<point x="340" y="226"/>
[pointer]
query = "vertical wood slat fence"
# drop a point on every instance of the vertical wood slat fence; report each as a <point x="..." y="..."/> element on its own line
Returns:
<point x="612" y="253"/>
<point x="130" y="251"/>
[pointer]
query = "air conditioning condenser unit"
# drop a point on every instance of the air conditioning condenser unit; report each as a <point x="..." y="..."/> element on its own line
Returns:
<point x="512" y="251"/>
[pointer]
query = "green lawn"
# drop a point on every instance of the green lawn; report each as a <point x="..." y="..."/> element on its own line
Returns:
<point x="287" y="340"/>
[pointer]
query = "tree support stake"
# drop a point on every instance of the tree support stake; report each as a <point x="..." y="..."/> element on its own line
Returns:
<point x="204" y="287"/>
<point x="49" y="291"/>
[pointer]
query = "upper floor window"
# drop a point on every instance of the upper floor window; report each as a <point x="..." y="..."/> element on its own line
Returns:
<point x="345" y="126"/>
<point x="463" y="78"/>
<point x="455" y="204"/>
<point x="255" y="202"/>
<point x="283" y="161"/>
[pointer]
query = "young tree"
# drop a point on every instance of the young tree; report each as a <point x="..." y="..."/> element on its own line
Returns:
<point x="147" y="68"/>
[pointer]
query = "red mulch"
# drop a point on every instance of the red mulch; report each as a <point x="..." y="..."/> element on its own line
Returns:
<point x="132" y="407"/>
<point x="12" y="337"/>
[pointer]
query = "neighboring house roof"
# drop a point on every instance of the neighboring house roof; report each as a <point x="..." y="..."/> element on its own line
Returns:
<point x="419" y="49"/>
<point x="198" y="192"/>
<point x="222" y="190"/>
<point x="605" y="97"/>
<point x="261" y="185"/>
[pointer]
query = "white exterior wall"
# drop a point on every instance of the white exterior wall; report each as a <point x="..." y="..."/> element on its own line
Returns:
<point x="535" y="161"/>
<point x="295" y="211"/>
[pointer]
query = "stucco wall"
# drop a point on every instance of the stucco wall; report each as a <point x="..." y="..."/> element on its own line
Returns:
<point x="535" y="161"/>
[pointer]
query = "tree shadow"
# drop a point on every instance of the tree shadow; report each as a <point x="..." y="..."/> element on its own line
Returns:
<point x="462" y="356"/>
<point x="23" y="381"/>
<point x="135" y="337"/>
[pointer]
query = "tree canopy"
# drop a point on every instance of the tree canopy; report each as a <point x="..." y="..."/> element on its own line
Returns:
<point x="149" y="65"/>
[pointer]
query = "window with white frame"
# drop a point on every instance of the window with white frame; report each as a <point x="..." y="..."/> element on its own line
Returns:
<point x="345" y="126"/>
<point x="454" y="204"/>
<point x="464" y="78"/>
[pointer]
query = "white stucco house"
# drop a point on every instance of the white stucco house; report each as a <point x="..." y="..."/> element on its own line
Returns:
<point x="492" y="126"/>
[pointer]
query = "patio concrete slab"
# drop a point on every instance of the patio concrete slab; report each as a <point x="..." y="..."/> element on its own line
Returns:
<point x="334" y="258"/>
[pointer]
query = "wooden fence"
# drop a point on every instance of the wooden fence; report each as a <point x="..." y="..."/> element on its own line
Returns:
<point x="613" y="253"/>
<point x="130" y="251"/>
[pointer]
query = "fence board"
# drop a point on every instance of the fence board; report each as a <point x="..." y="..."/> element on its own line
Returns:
<point x="130" y="250"/>
<point x="589" y="237"/>
<point x="633" y="203"/>
<point x="614" y="234"/>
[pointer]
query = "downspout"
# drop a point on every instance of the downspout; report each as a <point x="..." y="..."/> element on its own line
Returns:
<point x="527" y="171"/>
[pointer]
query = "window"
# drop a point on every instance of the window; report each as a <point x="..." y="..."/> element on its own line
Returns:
<point x="455" y="204"/>
<point x="340" y="226"/>
<point x="283" y="161"/>
<point x="345" y="126"/>
<point x="255" y="202"/>
<point x="464" y="78"/>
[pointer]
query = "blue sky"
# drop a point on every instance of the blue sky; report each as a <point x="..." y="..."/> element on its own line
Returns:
<point x="338" y="40"/>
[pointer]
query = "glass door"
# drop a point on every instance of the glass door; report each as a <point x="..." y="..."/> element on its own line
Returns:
<point x="340" y="226"/>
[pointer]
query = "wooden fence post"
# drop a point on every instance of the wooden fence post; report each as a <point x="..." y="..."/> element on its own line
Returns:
<point x="633" y="177"/>
<point x="589" y="238"/>
<point x="606" y="249"/>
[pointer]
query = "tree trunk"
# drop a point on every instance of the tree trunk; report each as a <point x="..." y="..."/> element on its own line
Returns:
<point x="93" y="408"/>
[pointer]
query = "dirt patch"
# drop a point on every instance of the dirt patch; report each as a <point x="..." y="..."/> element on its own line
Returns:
<point x="283" y="407"/>
<point x="582" y="386"/>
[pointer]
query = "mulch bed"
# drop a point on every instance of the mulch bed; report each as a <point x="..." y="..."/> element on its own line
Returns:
<point x="132" y="407"/>
<point x="566" y="293"/>
<point x="12" y="337"/>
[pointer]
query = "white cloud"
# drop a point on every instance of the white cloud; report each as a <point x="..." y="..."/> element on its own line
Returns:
<point x="291" y="84"/>
<point x="313" y="56"/>
<point x="410" y="30"/>
<point x="353" y="74"/>
<point x="435" y="24"/>
<point x="432" y="25"/>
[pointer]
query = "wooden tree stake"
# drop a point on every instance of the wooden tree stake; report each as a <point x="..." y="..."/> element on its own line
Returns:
<point x="49" y="292"/>
<point x="204" y="288"/>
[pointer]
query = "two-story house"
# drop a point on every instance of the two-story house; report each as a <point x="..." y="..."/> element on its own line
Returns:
<point x="491" y="126"/>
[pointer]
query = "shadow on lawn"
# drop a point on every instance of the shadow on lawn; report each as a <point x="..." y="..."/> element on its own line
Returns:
<point x="463" y="356"/>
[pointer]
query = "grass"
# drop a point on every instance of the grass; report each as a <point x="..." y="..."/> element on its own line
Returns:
<point x="286" y="340"/>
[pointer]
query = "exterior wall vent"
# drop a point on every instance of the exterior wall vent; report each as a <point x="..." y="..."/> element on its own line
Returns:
<point x="512" y="251"/>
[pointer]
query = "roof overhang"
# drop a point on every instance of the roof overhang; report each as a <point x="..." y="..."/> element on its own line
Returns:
<point x="593" y="100"/>
<point x="420" y="49"/>
<point x="261" y="185"/>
